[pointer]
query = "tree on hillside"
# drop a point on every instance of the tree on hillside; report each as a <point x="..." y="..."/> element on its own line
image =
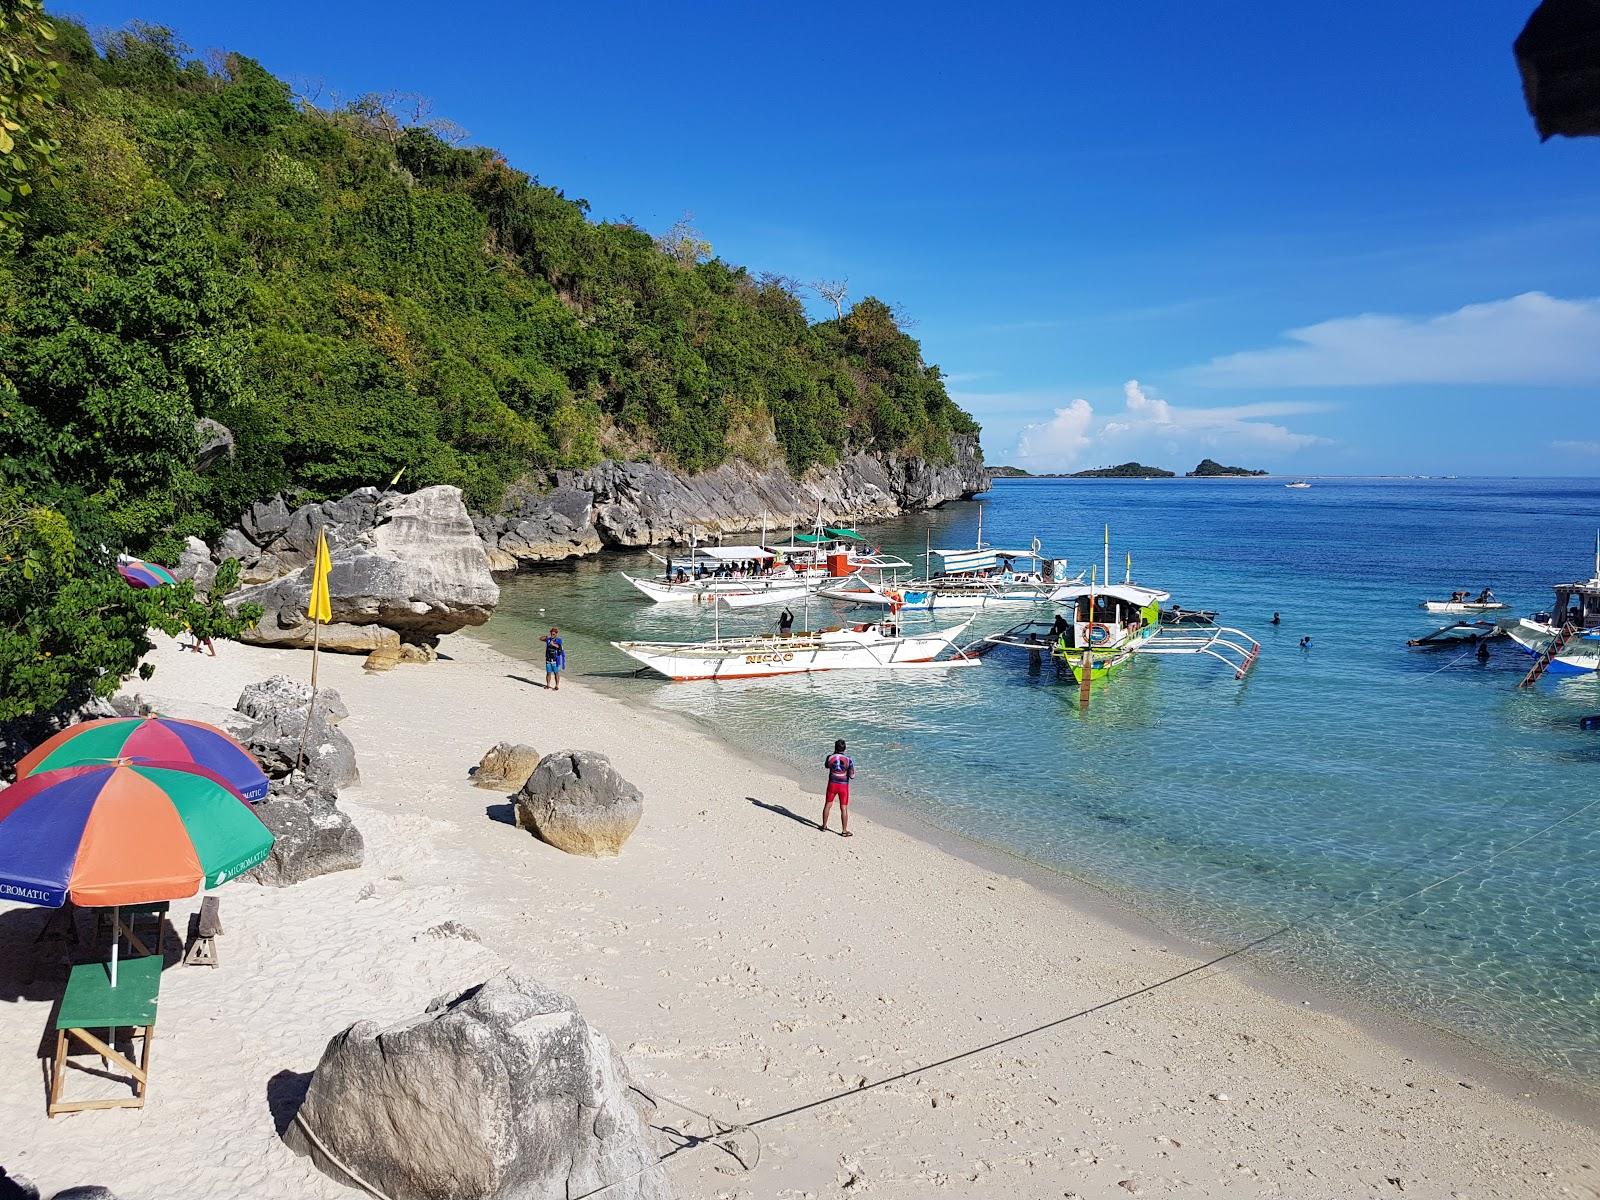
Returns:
<point x="683" y="243"/>
<point x="834" y="292"/>
<point x="29" y="81"/>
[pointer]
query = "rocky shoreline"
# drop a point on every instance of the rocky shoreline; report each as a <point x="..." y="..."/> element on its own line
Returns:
<point x="408" y="568"/>
<point x="632" y="505"/>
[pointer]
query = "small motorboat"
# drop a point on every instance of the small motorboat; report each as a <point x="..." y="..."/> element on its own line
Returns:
<point x="1178" y="615"/>
<point x="1466" y="602"/>
<point x="1459" y="632"/>
<point x="1299" y="485"/>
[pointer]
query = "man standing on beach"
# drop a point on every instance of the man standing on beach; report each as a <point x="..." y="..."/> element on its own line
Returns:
<point x="555" y="658"/>
<point x="841" y="770"/>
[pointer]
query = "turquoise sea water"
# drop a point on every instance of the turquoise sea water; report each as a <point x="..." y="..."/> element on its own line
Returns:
<point x="1326" y="785"/>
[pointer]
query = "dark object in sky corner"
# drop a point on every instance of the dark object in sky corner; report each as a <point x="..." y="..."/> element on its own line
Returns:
<point x="1558" y="53"/>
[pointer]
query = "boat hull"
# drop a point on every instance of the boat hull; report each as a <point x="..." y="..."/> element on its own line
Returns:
<point x="1462" y="606"/>
<point x="1581" y="657"/>
<point x="742" y="593"/>
<point x="756" y="658"/>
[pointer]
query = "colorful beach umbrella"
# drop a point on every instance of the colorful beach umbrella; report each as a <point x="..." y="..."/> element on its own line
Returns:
<point x="150" y="739"/>
<point x="141" y="574"/>
<point x="124" y="833"/>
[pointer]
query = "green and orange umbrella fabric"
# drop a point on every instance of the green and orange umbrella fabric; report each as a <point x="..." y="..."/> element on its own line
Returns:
<point x="150" y="739"/>
<point x="124" y="833"/>
<point x="141" y="574"/>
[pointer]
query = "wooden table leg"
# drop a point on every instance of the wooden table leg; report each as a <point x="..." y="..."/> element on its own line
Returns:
<point x="144" y="1063"/>
<point x="58" y="1072"/>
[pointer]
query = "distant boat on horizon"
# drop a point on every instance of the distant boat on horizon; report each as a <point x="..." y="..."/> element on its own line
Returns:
<point x="1298" y="484"/>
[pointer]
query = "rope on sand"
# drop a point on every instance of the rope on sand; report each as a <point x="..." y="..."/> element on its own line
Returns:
<point x="722" y="1132"/>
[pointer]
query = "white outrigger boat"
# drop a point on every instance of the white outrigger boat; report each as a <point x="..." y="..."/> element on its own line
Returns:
<point x="1110" y="624"/>
<point x="745" y="576"/>
<point x="1463" y="602"/>
<point x="979" y="576"/>
<point x="1299" y="485"/>
<point x="1565" y="640"/>
<point x="865" y="647"/>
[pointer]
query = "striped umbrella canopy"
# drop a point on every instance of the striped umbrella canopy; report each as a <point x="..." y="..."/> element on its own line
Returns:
<point x="150" y="739"/>
<point x="124" y="833"/>
<point x="141" y="574"/>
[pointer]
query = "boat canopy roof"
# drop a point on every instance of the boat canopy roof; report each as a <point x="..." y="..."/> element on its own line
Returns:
<point x="847" y="534"/>
<point x="1132" y="593"/>
<point x="734" y="553"/>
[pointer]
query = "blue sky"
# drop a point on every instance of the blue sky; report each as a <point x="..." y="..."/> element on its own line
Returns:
<point x="1315" y="238"/>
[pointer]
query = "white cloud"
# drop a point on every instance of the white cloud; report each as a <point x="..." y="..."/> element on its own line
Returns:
<point x="1060" y="439"/>
<point x="1528" y="339"/>
<point x="1147" y="421"/>
<point x="1577" y="447"/>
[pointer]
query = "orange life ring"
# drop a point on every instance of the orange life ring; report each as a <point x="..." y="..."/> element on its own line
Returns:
<point x="1103" y="632"/>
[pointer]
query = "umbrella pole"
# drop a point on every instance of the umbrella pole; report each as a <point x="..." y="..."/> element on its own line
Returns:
<point x="316" y="646"/>
<point x="116" y="929"/>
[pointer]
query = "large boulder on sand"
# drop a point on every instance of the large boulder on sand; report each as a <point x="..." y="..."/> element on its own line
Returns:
<point x="506" y="767"/>
<point x="313" y="836"/>
<point x="576" y="801"/>
<point x="402" y="565"/>
<point x="277" y="708"/>
<point x="504" y="1092"/>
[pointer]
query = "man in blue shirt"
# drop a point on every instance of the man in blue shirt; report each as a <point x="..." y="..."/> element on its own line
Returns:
<point x="555" y="659"/>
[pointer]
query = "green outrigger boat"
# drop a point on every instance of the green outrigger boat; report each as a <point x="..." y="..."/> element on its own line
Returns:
<point x="1101" y="627"/>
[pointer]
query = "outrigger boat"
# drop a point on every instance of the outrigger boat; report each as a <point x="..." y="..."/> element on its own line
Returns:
<point x="1464" y="602"/>
<point x="765" y="574"/>
<point x="1565" y="640"/>
<point x="1461" y="631"/>
<point x="1299" y="485"/>
<point x="976" y="576"/>
<point x="1109" y="625"/>
<point x="865" y="647"/>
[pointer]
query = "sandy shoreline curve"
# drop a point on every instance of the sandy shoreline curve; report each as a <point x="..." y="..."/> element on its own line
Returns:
<point x="747" y="964"/>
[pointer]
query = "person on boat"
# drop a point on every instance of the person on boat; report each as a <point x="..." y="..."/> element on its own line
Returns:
<point x="1276" y="619"/>
<point x="1458" y="596"/>
<point x="555" y="659"/>
<point x="682" y="578"/>
<point x="1059" y="627"/>
<point x="1485" y="597"/>
<point x="785" y="622"/>
<point x="841" y="770"/>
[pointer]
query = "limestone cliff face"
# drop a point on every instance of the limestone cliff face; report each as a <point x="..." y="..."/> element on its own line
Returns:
<point x="635" y="504"/>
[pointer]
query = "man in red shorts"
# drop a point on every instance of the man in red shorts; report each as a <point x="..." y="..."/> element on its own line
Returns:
<point x="841" y="770"/>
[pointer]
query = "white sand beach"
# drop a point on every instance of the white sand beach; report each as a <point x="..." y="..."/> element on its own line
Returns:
<point x="746" y="964"/>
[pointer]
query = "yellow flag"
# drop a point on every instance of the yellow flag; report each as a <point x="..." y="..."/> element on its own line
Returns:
<point x="320" y="608"/>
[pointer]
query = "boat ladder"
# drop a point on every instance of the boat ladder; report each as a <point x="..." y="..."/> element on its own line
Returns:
<point x="1548" y="655"/>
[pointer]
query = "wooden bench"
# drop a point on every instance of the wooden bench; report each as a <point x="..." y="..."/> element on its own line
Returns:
<point x="91" y="1003"/>
<point x="204" y="926"/>
<point x="126" y="920"/>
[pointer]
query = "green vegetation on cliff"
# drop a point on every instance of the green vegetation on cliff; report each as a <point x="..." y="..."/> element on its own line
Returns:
<point x="352" y="294"/>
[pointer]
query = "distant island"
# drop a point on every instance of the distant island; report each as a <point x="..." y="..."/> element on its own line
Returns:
<point x="1127" y="470"/>
<point x="1210" y="468"/>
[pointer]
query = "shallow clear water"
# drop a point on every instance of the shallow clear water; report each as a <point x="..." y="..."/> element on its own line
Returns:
<point x="1326" y="785"/>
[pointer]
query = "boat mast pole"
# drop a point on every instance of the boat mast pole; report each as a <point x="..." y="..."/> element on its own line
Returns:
<point x="1108" y="552"/>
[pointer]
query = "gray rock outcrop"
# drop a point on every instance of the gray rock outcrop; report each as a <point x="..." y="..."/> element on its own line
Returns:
<point x="506" y="767"/>
<point x="196" y="565"/>
<point x="216" y="442"/>
<point x="638" y="504"/>
<point x="277" y="710"/>
<point x="504" y="1092"/>
<point x="536" y="528"/>
<point x="404" y="567"/>
<point x="576" y="801"/>
<point x="314" y="836"/>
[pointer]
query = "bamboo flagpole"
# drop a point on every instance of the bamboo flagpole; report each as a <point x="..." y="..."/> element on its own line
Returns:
<point x="320" y="610"/>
